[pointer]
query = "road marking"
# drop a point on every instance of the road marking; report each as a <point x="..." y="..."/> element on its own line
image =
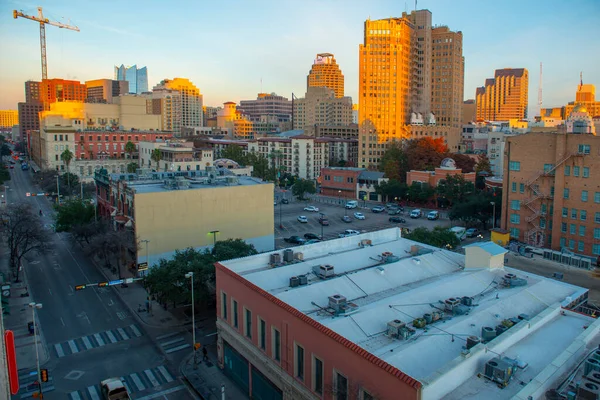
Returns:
<point x="93" y="392"/>
<point x="167" y="335"/>
<point x="123" y="334"/>
<point x="99" y="339"/>
<point x="111" y="303"/>
<point x="172" y="341"/>
<point x="211" y="334"/>
<point x="50" y="291"/>
<point x="165" y="373"/>
<point x="137" y="381"/>
<point x="73" y="346"/>
<point x="87" y="342"/>
<point x="63" y="322"/>
<point x="59" y="350"/>
<point x="111" y="337"/>
<point x="126" y="385"/>
<point x="75" y="396"/>
<point x="135" y="330"/>
<point x="151" y="377"/>
<point x="163" y="393"/>
<point x="174" y="349"/>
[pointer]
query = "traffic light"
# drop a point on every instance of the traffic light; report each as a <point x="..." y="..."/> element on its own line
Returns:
<point x="103" y="284"/>
<point x="44" y="375"/>
<point x="79" y="287"/>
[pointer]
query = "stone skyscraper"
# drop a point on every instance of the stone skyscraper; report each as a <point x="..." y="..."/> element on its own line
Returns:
<point x="325" y="72"/>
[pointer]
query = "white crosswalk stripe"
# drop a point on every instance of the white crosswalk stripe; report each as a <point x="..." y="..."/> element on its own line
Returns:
<point x="111" y="337"/>
<point x="172" y="343"/>
<point x="136" y="380"/>
<point x="163" y="371"/>
<point x="93" y="392"/>
<point x="123" y="334"/>
<point x="73" y="346"/>
<point x="59" y="350"/>
<point x="135" y="330"/>
<point x="99" y="339"/>
<point x="151" y="377"/>
<point x="95" y="340"/>
<point x="86" y="342"/>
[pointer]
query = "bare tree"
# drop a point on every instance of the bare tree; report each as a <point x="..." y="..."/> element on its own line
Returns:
<point x="24" y="234"/>
<point x="115" y="247"/>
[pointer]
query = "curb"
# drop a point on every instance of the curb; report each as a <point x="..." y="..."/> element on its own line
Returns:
<point x="187" y="381"/>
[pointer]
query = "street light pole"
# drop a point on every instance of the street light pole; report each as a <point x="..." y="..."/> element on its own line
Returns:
<point x="493" y="203"/>
<point x="322" y="215"/>
<point x="339" y="197"/>
<point x="214" y="233"/>
<point x="190" y="275"/>
<point x="58" y="189"/>
<point x="280" y="223"/>
<point x="33" y="306"/>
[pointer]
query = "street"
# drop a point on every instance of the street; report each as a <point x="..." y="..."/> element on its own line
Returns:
<point x="91" y="334"/>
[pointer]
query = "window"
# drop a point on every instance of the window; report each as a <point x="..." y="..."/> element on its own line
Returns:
<point x="583" y="215"/>
<point x="223" y="305"/>
<point x="596" y="233"/>
<point x="584" y="195"/>
<point x="364" y="395"/>
<point x="597" y="217"/>
<point x="563" y="227"/>
<point x="586" y="172"/>
<point x="515" y="165"/>
<point x="544" y="209"/>
<point x="515" y="205"/>
<point x="596" y="197"/>
<point x="543" y="223"/>
<point x="275" y="344"/>
<point x="262" y="333"/>
<point x="234" y="307"/>
<point x="580" y="246"/>
<point x="522" y="187"/>
<point x="341" y="386"/>
<point x="563" y="242"/>
<point x="551" y="191"/>
<point x="572" y="244"/>
<point x="575" y="171"/>
<point x="573" y="229"/>
<point x="565" y="193"/>
<point x="596" y="249"/>
<point x="548" y="168"/>
<point x="584" y="148"/>
<point x="573" y="213"/>
<point x="514" y="232"/>
<point x="317" y="379"/>
<point x="515" y="219"/>
<point x="565" y="212"/>
<point x="514" y="187"/>
<point x="248" y="323"/>
<point x="581" y="230"/>
<point x="299" y="362"/>
<point x="567" y="170"/>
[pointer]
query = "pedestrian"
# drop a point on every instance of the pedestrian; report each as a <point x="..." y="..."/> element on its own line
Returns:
<point x="204" y="354"/>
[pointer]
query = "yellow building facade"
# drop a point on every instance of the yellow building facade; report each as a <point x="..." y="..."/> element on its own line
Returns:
<point x="504" y="97"/>
<point x="325" y="72"/>
<point x="9" y="118"/>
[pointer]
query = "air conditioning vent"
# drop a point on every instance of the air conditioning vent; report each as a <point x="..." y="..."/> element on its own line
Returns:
<point x="324" y="271"/>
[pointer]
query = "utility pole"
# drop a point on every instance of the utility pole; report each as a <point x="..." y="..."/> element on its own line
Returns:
<point x="58" y="189"/>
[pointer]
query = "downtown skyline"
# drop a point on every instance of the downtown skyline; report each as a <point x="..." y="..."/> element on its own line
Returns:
<point x="235" y="51"/>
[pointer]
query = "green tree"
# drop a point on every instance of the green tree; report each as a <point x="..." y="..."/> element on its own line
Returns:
<point x="5" y="150"/>
<point x="4" y="174"/>
<point x="156" y="157"/>
<point x="132" y="167"/>
<point x="130" y="149"/>
<point x="476" y="208"/>
<point x="483" y="164"/>
<point x="392" y="189"/>
<point x="438" y="237"/>
<point x="454" y="188"/>
<point x="420" y="192"/>
<point x="235" y="153"/>
<point x="66" y="157"/>
<point x="464" y="162"/>
<point x="260" y="166"/>
<point x="394" y="163"/>
<point x="232" y="248"/>
<point x="286" y="179"/>
<point x="72" y="213"/>
<point x="301" y="187"/>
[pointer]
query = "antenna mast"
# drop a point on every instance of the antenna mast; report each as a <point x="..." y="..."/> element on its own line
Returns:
<point x="540" y="91"/>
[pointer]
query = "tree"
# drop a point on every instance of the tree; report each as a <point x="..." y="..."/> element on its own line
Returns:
<point x="156" y="157"/>
<point x="425" y="154"/>
<point x="260" y="166"/>
<point x="19" y="147"/>
<point x="24" y="234"/>
<point x="110" y="245"/>
<point x="72" y="213"/>
<point x="235" y="153"/>
<point x="5" y="150"/>
<point x="4" y="174"/>
<point x="394" y="163"/>
<point x="130" y="149"/>
<point x="419" y="192"/>
<point x="392" y="189"/>
<point x="286" y="179"/>
<point x="132" y="167"/>
<point x="454" y="188"/>
<point x="301" y="187"/>
<point x="483" y="164"/>
<point x="66" y="157"/>
<point x="476" y="208"/>
<point x="232" y="248"/>
<point x="438" y="237"/>
<point x="463" y="162"/>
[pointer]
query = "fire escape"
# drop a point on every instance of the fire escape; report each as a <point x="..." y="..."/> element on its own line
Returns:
<point x="536" y="236"/>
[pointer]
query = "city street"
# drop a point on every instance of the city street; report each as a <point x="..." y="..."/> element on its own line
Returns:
<point x="91" y="334"/>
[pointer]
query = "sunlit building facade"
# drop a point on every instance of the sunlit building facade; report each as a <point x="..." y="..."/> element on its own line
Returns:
<point x="137" y="78"/>
<point x="9" y="118"/>
<point x="320" y="107"/>
<point x="191" y="100"/>
<point x="503" y="97"/>
<point x="325" y="72"/>
<point x="104" y="90"/>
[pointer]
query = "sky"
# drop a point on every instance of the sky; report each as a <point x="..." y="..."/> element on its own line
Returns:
<point x="227" y="48"/>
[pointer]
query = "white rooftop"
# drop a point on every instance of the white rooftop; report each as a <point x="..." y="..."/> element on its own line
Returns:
<point x="419" y="284"/>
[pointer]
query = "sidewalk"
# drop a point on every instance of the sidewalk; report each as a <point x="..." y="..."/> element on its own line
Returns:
<point x="208" y="378"/>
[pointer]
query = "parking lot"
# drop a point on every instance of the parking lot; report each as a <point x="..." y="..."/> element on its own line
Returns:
<point x="288" y="215"/>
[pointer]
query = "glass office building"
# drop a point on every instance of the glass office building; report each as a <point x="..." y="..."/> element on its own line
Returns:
<point x="137" y="78"/>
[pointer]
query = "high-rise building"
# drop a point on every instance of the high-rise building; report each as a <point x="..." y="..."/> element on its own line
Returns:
<point x="469" y="111"/>
<point x="325" y="72"/>
<point x="57" y="90"/>
<point x="421" y="90"/>
<point x="9" y="118"/>
<point x="268" y="105"/>
<point x="29" y="117"/>
<point x="167" y="103"/>
<point x="320" y="107"/>
<point x="503" y="97"/>
<point x="137" y="78"/>
<point x="209" y="112"/>
<point x="191" y="100"/>
<point x="585" y="96"/>
<point x="32" y="91"/>
<point x="104" y="90"/>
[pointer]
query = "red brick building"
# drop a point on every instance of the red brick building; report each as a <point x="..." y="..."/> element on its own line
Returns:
<point x="53" y="90"/>
<point x="340" y="181"/>
<point x="432" y="178"/>
<point x="93" y="145"/>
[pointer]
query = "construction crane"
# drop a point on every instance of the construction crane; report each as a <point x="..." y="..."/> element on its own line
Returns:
<point x="43" y="21"/>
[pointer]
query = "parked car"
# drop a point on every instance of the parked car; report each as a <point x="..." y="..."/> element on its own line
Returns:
<point x="349" y="232"/>
<point x="351" y="204"/>
<point x="433" y="215"/>
<point x="378" y="209"/>
<point x="295" y="240"/>
<point x="312" y="236"/>
<point x="416" y="213"/>
<point x="359" y="215"/>
<point x="472" y="232"/>
<point x="346" y="219"/>
<point x="311" y="209"/>
<point x="302" y="219"/>
<point x="391" y="205"/>
<point x="459" y="231"/>
<point x="394" y="211"/>
<point x="397" y="220"/>
<point x="275" y="202"/>
<point x="324" y="221"/>
<point x="284" y="201"/>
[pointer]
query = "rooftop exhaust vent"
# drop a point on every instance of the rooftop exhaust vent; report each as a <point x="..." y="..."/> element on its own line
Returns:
<point x="324" y="271"/>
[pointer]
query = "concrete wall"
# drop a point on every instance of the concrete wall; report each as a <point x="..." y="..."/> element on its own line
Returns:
<point x="180" y="219"/>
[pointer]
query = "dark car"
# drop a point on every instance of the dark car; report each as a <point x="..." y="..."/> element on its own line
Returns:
<point x="295" y="240"/>
<point x="472" y="232"/>
<point x="312" y="236"/>
<point x="324" y="221"/>
<point x="284" y="201"/>
<point x="378" y="209"/>
<point x="346" y="219"/>
<point x="397" y="219"/>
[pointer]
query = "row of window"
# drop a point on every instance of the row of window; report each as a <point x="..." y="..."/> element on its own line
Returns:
<point x="340" y="382"/>
<point x="582" y="230"/>
<point x="584" y="195"/>
<point x="580" y="245"/>
<point x="577" y="170"/>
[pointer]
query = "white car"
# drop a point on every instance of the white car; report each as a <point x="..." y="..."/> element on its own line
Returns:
<point x="349" y="232"/>
<point x="359" y="215"/>
<point x="311" y="209"/>
<point x="302" y="219"/>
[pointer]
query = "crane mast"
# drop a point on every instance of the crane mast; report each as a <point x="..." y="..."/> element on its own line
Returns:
<point x="43" y="21"/>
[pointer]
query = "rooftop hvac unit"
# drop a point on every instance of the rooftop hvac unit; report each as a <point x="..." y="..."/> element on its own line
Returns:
<point x="451" y="303"/>
<point x="232" y="180"/>
<point x="499" y="371"/>
<point x="500" y="329"/>
<point x="472" y="341"/>
<point x="303" y="280"/>
<point x="419" y="323"/>
<point x="467" y="301"/>
<point x="393" y="327"/>
<point x="428" y="318"/>
<point x="288" y="255"/>
<point x="366" y="242"/>
<point x="294" y="281"/>
<point x="389" y="257"/>
<point x="488" y="333"/>
<point x="337" y="302"/>
<point x="324" y="271"/>
<point x="591" y="364"/>
<point x="511" y="280"/>
<point x="588" y="390"/>
<point x="299" y="256"/>
<point x="275" y="258"/>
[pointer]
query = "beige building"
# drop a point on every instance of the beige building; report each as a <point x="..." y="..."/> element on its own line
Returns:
<point x="175" y="155"/>
<point x="178" y="210"/>
<point x="325" y="72"/>
<point x="9" y="118"/>
<point x="105" y="90"/>
<point x="585" y="96"/>
<point x="504" y="97"/>
<point x="166" y="103"/>
<point x="320" y="107"/>
<point x="191" y="100"/>
<point x="337" y="131"/>
<point x="469" y="112"/>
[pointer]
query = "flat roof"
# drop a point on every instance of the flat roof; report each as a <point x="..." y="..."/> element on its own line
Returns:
<point x="418" y="283"/>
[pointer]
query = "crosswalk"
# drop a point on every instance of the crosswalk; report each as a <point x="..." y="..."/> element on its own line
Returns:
<point x="28" y="385"/>
<point x="96" y="340"/>
<point x="171" y="342"/>
<point x="135" y="382"/>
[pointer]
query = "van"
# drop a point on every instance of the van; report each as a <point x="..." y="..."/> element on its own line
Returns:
<point x="416" y="213"/>
<point x="351" y="204"/>
<point x="460" y="232"/>
<point x="433" y="215"/>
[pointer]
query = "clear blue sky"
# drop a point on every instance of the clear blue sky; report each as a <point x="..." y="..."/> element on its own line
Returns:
<point x="226" y="47"/>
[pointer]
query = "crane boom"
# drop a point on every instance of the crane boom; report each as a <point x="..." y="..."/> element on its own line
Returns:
<point x="43" y="21"/>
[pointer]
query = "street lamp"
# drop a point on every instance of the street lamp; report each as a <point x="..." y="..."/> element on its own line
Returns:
<point x="321" y="222"/>
<point x="214" y="233"/>
<point x="280" y="223"/>
<point x="190" y="275"/>
<point x="146" y="241"/>
<point x="493" y="203"/>
<point x="58" y="189"/>
<point x="339" y="197"/>
<point x="33" y="307"/>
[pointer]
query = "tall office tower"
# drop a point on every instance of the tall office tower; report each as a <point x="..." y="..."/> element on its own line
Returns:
<point x="320" y="107"/>
<point x="384" y="86"/>
<point x="325" y="72"/>
<point x="191" y="100"/>
<point x="137" y="78"/>
<point x="104" y="90"/>
<point x="167" y="103"/>
<point x="271" y="106"/>
<point x="58" y="90"/>
<point x="421" y="61"/>
<point x="32" y="91"/>
<point x="9" y="118"/>
<point x="503" y="97"/>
